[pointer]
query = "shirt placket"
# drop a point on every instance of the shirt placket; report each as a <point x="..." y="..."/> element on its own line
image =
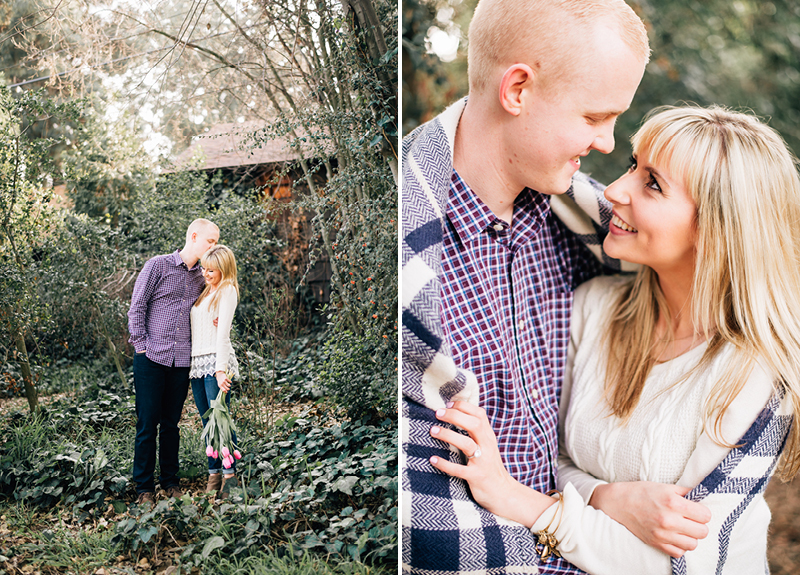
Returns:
<point x="533" y="353"/>
<point x="516" y="288"/>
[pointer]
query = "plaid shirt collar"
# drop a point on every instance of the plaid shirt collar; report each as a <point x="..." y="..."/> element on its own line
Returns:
<point x="178" y="260"/>
<point x="471" y="217"/>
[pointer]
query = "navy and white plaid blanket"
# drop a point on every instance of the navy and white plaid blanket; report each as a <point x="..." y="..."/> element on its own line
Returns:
<point x="742" y="475"/>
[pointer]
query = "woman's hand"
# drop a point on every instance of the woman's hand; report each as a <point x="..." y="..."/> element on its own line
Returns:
<point x="222" y="381"/>
<point x="656" y="513"/>
<point x="489" y="481"/>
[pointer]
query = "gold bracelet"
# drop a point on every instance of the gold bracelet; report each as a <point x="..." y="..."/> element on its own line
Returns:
<point x="547" y="540"/>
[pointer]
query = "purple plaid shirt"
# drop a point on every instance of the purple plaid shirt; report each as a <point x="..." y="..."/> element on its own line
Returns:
<point x="507" y="293"/>
<point x="158" y="320"/>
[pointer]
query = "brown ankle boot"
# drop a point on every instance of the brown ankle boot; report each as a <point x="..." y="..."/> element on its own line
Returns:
<point x="214" y="482"/>
<point x="228" y="481"/>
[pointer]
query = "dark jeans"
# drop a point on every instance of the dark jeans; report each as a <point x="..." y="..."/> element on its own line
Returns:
<point x="160" y="394"/>
<point x="204" y="391"/>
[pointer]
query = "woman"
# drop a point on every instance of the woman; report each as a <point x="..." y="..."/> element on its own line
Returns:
<point x="212" y="354"/>
<point x="699" y="351"/>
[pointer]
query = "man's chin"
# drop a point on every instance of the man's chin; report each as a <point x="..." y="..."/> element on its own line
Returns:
<point x="558" y="188"/>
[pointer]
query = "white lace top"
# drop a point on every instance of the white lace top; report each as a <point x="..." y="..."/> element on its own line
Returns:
<point x="211" y="346"/>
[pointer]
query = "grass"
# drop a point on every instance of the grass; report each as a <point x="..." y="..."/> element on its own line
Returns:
<point x="49" y="543"/>
<point x="269" y="563"/>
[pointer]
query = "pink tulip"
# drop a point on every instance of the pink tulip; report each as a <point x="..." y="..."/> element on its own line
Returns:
<point x="225" y="452"/>
<point x="215" y="454"/>
<point x="236" y="454"/>
<point x="226" y="464"/>
<point x="209" y="450"/>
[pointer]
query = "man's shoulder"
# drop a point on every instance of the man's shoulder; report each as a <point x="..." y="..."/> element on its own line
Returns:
<point x="172" y="258"/>
<point x="158" y="264"/>
<point x="435" y="136"/>
<point x="427" y="138"/>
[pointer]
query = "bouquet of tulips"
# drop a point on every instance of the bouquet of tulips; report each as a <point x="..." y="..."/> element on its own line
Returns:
<point x="218" y="432"/>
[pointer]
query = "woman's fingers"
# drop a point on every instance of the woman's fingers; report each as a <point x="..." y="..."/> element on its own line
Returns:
<point x="672" y="551"/>
<point x="692" y="510"/>
<point x="471" y="419"/>
<point x="457" y="440"/>
<point x="692" y="528"/>
<point x="468" y="408"/>
<point x="675" y="544"/>
<point x="449" y="467"/>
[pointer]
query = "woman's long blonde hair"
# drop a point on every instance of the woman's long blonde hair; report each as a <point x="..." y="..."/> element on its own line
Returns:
<point x="746" y="287"/>
<point x="219" y="258"/>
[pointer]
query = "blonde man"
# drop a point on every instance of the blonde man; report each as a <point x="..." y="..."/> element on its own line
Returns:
<point x="160" y="329"/>
<point x="492" y="251"/>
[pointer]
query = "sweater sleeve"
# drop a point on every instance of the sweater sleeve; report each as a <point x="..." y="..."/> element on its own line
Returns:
<point x="568" y="472"/>
<point x="227" y="305"/>
<point x="596" y="543"/>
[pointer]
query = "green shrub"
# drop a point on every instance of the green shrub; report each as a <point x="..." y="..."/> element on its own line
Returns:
<point x="360" y="373"/>
<point x="45" y="461"/>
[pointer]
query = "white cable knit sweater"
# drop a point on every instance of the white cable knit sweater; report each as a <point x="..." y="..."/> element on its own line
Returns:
<point x="664" y="442"/>
<point x="207" y="339"/>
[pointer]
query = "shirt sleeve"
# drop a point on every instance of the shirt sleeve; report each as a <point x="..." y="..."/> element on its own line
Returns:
<point x="143" y="291"/>
<point x="596" y="543"/>
<point x="227" y="305"/>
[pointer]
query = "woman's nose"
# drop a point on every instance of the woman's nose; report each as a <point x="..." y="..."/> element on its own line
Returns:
<point x="617" y="192"/>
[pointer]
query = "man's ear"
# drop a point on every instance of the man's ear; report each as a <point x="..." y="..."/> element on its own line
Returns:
<point x="516" y="81"/>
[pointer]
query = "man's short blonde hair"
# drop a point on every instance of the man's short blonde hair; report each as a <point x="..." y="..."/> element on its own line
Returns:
<point x="198" y="225"/>
<point x="543" y="34"/>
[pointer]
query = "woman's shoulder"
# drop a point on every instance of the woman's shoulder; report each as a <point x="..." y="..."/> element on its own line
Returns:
<point x="600" y="290"/>
<point x="229" y="295"/>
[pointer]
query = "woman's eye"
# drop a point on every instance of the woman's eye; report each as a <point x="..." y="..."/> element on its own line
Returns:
<point x="653" y="184"/>
<point x="632" y="164"/>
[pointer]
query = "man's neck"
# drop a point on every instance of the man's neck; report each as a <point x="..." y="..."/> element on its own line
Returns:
<point x="187" y="257"/>
<point x="478" y="158"/>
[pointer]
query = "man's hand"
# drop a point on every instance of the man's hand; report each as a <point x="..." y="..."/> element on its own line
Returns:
<point x="656" y="513"/>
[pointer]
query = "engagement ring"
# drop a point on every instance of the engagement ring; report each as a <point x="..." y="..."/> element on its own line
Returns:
<point x="476" y="453"/>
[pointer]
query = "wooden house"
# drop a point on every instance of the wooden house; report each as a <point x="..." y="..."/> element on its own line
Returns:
<point x="272" y="168"/>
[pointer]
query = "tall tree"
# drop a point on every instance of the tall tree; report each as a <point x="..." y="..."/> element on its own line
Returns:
<point x="26" y="173"/>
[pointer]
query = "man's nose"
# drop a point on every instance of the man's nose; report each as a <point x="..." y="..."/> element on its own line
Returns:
<point x="604" y="140"/>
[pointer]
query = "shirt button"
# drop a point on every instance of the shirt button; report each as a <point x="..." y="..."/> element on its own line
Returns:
<point x="499" y="227"/>
<point x="520" y="325"/>
<point x="534" y="394"/>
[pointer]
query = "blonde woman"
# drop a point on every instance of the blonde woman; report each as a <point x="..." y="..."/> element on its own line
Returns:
<point x="680" y="380"/>
<point x="212" y="353"/>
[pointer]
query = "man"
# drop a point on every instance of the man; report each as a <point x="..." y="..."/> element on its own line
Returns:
<point x="492" y="251"/>
<point x="160" y="329"/>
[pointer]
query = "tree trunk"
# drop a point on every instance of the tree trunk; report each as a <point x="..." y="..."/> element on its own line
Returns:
<point x="30" y="388"/>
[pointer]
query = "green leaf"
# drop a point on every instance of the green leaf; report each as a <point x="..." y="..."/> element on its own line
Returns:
<point x="345" y="484"/>
<point x="214" y="543"/>
<point x="146" y="533"/>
